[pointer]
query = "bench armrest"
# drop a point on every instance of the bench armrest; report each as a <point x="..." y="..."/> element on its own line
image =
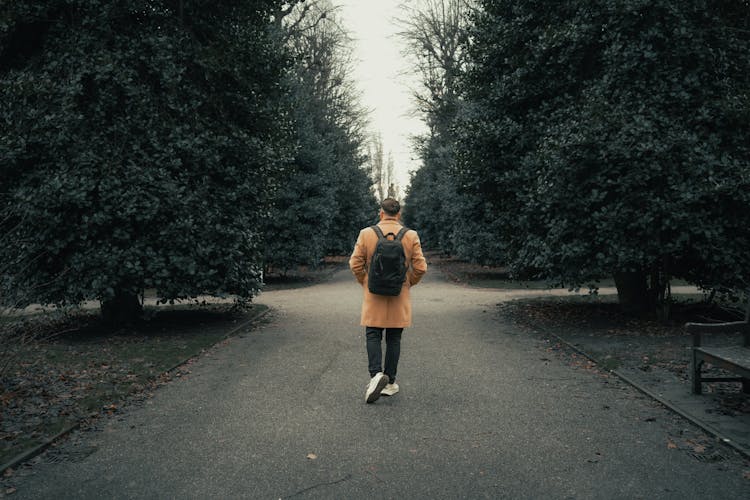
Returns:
<point x="698" y="329"/>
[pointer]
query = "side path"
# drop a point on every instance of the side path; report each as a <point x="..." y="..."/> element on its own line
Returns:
<point x="482" y="413"/>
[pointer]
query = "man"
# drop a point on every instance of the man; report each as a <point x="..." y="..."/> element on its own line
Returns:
<point x="383" y="312"/>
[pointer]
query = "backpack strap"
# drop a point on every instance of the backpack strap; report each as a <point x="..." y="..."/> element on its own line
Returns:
<point x="398" y="236"/>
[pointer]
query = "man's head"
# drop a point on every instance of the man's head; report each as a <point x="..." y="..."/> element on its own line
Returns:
<point x="390" y="208"/>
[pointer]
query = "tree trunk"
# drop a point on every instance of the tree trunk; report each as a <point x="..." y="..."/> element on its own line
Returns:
<point x="122" y="310"/>
<point x="632" y="292"/>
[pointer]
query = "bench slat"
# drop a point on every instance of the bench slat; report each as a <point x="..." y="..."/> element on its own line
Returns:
<point x="734" y="358"/>
<point x="722" y="379"/>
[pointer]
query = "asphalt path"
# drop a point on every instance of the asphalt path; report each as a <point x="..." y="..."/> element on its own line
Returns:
<point x="484" y="412"/>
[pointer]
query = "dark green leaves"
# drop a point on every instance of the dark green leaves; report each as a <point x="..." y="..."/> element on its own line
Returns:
<point x="140" y="148"/>
<point x="596" y="138"/>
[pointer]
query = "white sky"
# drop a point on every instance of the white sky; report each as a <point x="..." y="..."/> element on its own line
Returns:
<point x="382" y="75"/>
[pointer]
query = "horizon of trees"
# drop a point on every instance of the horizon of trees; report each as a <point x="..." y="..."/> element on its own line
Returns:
<point x="187" y="146"/>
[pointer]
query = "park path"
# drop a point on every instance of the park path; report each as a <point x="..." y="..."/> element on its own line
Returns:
<point x="484" y="412"/>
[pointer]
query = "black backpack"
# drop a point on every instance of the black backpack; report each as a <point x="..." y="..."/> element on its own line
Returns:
<point x="388" y="264"/>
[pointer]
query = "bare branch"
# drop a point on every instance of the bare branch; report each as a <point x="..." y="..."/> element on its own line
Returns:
<point x="435" y="33"/>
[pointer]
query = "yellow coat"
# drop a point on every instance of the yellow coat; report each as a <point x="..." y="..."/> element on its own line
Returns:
<point x="379" y="310"/>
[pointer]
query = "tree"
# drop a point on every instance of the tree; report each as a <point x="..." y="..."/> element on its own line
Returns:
<point x="435" y="35"/>
<point x="381" y="168"/>
<point x="140" y="146"/>
<point x="613" y="139"/>
<point x="325" y="193"/>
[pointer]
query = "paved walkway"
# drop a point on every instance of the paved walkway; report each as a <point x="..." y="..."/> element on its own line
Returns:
<point x="484" y="412"/>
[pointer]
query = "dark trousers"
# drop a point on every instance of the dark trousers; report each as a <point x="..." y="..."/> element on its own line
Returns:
<point x="375" y="350"/>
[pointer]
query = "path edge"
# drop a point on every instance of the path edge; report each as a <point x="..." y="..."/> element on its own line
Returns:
<point x="695" y="420"/>
<point x="27" y="455"/>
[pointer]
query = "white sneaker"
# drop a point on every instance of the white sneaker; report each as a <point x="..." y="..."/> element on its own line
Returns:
<point x="389" y="389"/>
<point x="375" y="387"/>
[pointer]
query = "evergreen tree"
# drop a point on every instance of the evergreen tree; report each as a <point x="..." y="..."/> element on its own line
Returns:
<point x="139" y="147"/>
<point x="435" y="35"/>
<point x="325" y="195"/>
<point x="613" y="139"/>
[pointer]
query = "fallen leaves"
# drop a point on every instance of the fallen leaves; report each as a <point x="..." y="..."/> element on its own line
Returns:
<point x="696" y="446"/>
<point x="91" y="371"/>
<point x="671" y="445"/>
<point x="312" y="456"/>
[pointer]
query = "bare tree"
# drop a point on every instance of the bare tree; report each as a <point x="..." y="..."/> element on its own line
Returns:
<point x="393" y="187"/>
<point x="293" y="18"/>
<point x="322" y="47"/>
<point x="435" y="34"/>
<point x="381" y="168"/>
<point x="376" y="159"/>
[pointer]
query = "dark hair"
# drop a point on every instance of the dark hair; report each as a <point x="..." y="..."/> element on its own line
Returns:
<point x="390" y="206"/>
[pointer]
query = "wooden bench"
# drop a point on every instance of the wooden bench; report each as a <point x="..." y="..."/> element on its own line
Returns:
<point x="734" y="358"/>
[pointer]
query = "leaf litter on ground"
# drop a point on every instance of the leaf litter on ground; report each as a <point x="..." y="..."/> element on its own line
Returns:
<point x="92" y="370"/>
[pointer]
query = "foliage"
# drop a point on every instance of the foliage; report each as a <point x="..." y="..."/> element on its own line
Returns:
<point x="140" y="143"/>
<point x="325" y="196"/>
<point x="435" y="35"/>
<point x="611" y="138"/>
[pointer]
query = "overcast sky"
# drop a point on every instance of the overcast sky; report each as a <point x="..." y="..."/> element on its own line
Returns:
<point x="379" y="74"/>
